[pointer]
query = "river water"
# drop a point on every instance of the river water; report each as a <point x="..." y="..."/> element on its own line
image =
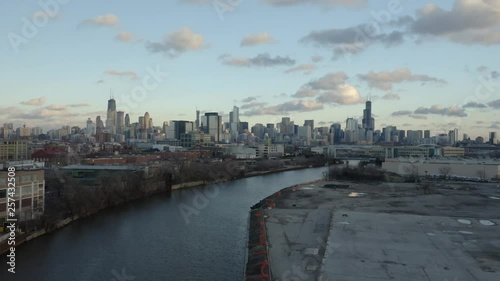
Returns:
<point x="195" y="234"/>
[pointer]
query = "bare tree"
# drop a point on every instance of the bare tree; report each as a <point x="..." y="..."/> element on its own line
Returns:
<point x="445" y="171"/>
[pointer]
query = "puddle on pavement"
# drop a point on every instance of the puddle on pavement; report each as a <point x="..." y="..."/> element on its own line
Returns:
<point x="356" y="194"/>
<point x="464" y="221"/>
<point x="486" y="222"/>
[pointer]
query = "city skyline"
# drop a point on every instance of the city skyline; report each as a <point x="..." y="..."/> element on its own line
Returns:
<point x="304" y="70"/>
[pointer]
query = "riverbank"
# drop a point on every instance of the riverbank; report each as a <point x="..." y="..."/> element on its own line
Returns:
<point x="21" y="238"/>
<point x="379" y="231"/>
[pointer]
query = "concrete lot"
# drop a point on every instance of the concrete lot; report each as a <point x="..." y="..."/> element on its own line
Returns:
<point x="386" y="232"/>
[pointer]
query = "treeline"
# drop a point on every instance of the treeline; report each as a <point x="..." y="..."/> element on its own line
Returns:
<point x="358" y="173"/>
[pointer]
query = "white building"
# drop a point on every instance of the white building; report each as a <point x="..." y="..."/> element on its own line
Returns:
<point x="463" y="168"/>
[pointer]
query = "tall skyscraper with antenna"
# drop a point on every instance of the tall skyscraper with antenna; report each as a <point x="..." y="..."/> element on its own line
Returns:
<point x="368" y="120"/>
<point x="111" y="114"/>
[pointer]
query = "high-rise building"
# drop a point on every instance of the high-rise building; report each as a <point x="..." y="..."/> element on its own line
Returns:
<point x="234" y="122"/>
<point x="111" y="116"/>
<point x="90" y="127"/>
<point x="351" y="124"/>
<point x="427" y="134"/>
<point x="99" y="125"/>
<point x="120" y="122"/>
<point x="127" y="120"/>
<point x="146" y="121"/>
<point x="453" y="136"/>
<point x="493" y="138"/>
<point x="368" y="121"/>
<point x="178" y="127"/>
<point x="387" y="131"/>
<point x="336" y="133"/>
<point x="212" y="124"/>
<point x="286" y="127"/>
<point x="197" y="122"/>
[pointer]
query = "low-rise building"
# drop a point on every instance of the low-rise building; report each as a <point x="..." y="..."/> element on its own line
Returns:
<point x="29" y="190"/>
<point x="444" y="167"/>
<point x="449" y="151"/>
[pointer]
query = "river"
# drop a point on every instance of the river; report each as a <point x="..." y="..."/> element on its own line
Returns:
<point x="195" y="234"/>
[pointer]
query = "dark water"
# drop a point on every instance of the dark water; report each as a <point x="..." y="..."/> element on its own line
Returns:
<point x="151" y="239"/>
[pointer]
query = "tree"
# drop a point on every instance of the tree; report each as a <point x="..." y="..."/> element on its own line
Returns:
<point x="445" y="171"/>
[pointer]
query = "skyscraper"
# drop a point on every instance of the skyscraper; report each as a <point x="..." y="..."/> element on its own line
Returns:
<point x="212" y="124"/>
<point x="368" y="121"/>
<point x="234" y="122"/>
<point x="99" y="125"/>
<point x="120" y="122"/>
<point x="197" y="122"/>
<point x="90" y="127"/>
<point x="111" y="116"/>
<point x="127" y="120"/>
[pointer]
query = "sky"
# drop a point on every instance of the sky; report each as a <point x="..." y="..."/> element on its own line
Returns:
<point x="424" y="64"/>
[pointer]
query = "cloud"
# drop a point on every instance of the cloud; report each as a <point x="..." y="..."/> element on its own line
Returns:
<point x="495" y="104"/>
<point x="78" y="105"/>
<point x="468" y="22"/>
<point x="124" y="36"/>
<point x="104" y="20"/>
<point x="331" y="88"/>
<point x="316" y="58"/>
<point x="482" y="68"/>
<point x="286" y="107"/>
<point x="9" y="110"/>
<point x="100" y="81"/>
<point x="391" y="96"/>
<point x="343" y="94"/>
<point x="328" y="3"/>
<point x="474" y="105"/>
<point x="178" y="42"/>
<point x="402" y="113"/>
<point x="418" y="117"/>
<point x="35" y="102"/>
<point x="329" y="81"/>
<point x="57" y="107"/>
<point x="384" y="80"/>
<point x="495" y="74"/>
<point x="261" y="60"/>
<point x="439" y="110"/>
<point x="253" y="105"/>
<point x="249" y="99"/>
<point x="351" y="40"/>
<point x="285" y="3"/>
<point x="257" y="39"/>
<point x="307" y="68"/>
<point x="130" y="74"/>
<point x="305" y="93"/>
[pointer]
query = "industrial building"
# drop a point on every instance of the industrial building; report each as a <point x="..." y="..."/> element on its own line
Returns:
<point x="480" y="169"/>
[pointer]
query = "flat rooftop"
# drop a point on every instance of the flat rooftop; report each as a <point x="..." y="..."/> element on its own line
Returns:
<point x="101" y="167"/>
<point x="385" y="231"/>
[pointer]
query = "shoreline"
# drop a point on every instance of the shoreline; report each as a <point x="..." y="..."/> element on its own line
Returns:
<point x="23" y="238"/>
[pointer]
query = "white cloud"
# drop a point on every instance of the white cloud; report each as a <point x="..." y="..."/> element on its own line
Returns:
<point x="104" y="20"/>
<point x="257" y="39"/>
<point x="178" y="42"/>
<point x="124" y="36"/>
<point x="36" y="102"/>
